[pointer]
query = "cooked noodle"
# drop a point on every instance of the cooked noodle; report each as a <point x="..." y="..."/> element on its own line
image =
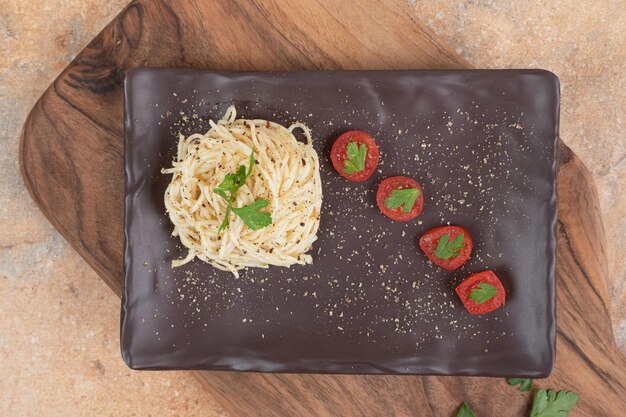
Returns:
<point x="286" y="174"/>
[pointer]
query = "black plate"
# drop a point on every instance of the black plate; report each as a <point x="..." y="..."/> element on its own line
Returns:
<point x="481" y="143"/>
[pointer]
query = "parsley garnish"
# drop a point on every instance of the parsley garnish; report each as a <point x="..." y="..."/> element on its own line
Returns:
<point x="446" y="249"/>
<point x="356" y="158"/>
<point x="547" y="403"/>
<point x="405" y="196"/>
<point x="483" y="293"/>
<point x="250" y="214"/>
<point x="525" y="384"/>
<point x="252" y="217"/>
<point x="553" y="404"/>
<point x="465" y="411"/>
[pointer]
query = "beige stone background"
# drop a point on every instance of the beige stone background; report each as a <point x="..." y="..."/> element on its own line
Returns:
<point x="59" y="351"/>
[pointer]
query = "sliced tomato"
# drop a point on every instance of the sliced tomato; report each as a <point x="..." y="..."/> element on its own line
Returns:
<point x="399" y="183"/>
<point x="339" y="155"/>
<point x="465" y="288"/>
<point x="430" y="240"/>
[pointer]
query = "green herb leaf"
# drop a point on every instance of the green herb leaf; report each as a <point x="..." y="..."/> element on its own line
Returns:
<point x="241" y="175"/>
<point x="250" y="165"/>
<point x="229" y="186"/>
<point x="224" y="224"/>
<point x="221" y="193"/>
<point x="356" y="158"/>
<point x="406" y="197"/>
<point x="525" y="384"/>
<point x="252" y="217"/>
<point x="483" y="293"/>
<point x="446" y="249"/>
<point x="465" y="411"/>
<point x="553" y="404"/>
<point x="232" y="182"/>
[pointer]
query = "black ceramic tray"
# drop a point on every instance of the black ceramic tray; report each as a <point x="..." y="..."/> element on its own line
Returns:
<point x="481" y="143"/>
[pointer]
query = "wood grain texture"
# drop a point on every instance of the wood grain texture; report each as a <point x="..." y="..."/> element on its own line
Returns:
<point x="71" y="159"/>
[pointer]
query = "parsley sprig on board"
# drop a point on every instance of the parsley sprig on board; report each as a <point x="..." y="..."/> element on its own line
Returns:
<point x="356" y="158"/>
<point x="404" y="197"/>
<point x="549" y="403"/>
<point x="465" y="411"/>
<point x="525" y="384"/>
<point x="546" y="403"/>
<point x="446" y="249"/>
<point x="250" y="214"/>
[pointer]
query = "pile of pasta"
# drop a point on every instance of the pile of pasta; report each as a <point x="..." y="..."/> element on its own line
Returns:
<point x="286" y="173"/>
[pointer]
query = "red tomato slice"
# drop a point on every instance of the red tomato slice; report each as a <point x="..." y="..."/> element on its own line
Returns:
<point x="399" y="183"/>
<point x="465" y="288"/>
<point x="338" y="154"/>
<point x="429" y="241"/>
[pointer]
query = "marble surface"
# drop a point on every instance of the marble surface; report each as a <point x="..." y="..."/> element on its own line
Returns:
<point x="59" y="352"/>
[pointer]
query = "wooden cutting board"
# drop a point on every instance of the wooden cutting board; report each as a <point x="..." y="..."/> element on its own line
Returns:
<point x="71" y="158"/>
